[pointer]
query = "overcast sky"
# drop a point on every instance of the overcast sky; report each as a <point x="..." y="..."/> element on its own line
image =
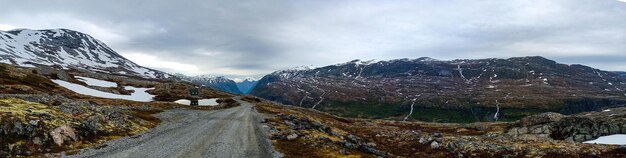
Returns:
<point x="259" y="37"/>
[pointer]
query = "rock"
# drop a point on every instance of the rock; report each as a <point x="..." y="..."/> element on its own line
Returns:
<point x="19" y="128"/>
<point x="292" y="136"/>
<point x="423" y="141"/>
<point x="348" y="145"/>
<point x="372" y="150"/>
<point x="33" y="122"/>
<point x="541" y="119"/>
<point x="437" y="135"/>
<point x="37" y="141"/>
<point x="291" y="125"/>
<point x="434" y="145"/>
<point x="62" y="133"/>
<point x="522" y="130"/>
<point x="513" y="131"/>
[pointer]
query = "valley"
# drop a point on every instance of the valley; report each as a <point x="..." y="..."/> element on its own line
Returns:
<point x="64" y="93"/>
<point x="466" y="89"/>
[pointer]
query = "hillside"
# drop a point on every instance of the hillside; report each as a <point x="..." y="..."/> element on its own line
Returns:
<point x="218" y="83"/>
<point x="446" y="91"/>
<point x="67" y="49"/>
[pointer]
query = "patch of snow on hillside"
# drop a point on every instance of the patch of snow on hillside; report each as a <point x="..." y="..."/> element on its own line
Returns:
<point x="96" y="82"/>
<point x="201" y="102"/>
<point x="140" y="94"/>
<point x="616" y="139"/>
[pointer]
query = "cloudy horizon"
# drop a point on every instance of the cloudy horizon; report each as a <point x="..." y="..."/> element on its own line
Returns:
<point x="255" y="38"/>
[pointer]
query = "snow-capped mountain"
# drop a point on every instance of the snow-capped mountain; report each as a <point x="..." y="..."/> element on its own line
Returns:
<point x="216" y="82"/>
<point x="68" y="49"/>
<point x="471" y="87"/>
<point x="246" y="86"/>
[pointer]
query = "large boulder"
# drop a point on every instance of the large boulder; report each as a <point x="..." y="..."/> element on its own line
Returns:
<point x="63" y="133"/>
<point x="540" y="119"/>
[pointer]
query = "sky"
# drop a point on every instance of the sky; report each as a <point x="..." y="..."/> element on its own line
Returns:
<point x="253" y="38"/>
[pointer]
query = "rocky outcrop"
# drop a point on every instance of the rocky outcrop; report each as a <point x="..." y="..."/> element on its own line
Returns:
<point x="577" y="128"/>
<point x="301" y="127"/>
<point x="40" y="123"/>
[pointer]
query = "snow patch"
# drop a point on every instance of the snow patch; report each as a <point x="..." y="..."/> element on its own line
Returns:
<point x="616" y="139"/>
<point x="140" y="94"/>
<point x="201" y="102"/>
<point x="96" y="82"/>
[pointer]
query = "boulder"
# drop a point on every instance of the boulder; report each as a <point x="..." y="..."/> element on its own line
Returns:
<point x="292" y="136"/>
<point x="540" y="119"/>
<point x="63" y="133"/>
<point x="434" y="145"/>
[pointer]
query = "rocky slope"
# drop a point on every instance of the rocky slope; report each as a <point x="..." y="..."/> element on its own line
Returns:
<point x="67" y="49"/>
<point x="448" y="91"/>
<point x="318" y="134"/>
<point x="219" y="83"/>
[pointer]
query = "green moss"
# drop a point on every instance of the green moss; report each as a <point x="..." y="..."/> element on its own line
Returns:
<point x="19" y="107"/>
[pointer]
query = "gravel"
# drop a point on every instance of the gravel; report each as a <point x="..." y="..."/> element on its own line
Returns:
<point x="233" y="132"/>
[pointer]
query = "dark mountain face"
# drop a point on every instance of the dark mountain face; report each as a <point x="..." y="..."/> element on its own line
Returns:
<point x="246" y="85"/>
<point x="67" y="49"/>
<point x="219" y="83"/>
<point x="451" y="91"/>
<point x="622" y="74"/>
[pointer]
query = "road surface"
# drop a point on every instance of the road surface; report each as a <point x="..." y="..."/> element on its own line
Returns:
<point x="233" y="132"/>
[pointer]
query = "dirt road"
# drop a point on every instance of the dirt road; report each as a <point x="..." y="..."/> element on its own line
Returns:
<point x="233" y="132"/>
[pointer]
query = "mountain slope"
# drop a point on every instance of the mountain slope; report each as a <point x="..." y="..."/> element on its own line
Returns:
<point x="246" y="86"/>
<point x="623" y="74"/>
<point x="455" y="91"/>
<point x="219" y="83"/>
<point x="67" y="49"/>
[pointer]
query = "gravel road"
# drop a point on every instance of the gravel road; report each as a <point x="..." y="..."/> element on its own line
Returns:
<point x="233" y="132"/>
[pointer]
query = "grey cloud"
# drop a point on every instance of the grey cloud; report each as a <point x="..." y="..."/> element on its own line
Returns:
<point x="257" y="37"/>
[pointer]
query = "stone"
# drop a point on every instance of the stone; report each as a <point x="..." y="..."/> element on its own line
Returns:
<point x="513" y="131"/>
<point x="423" y="141"/>
<point x="522" y="130"/>
<point x="62" y="133"/>
<point x="37" y="141"/>
<point x="292" y="136"/>
<point x="19" y="128"/>
<point x="33" y="122"/>
<point x="537" y="130"/>
<point x="579" y="138"/>
<point x="437" y="135"/>
<point x="434" y="145"/>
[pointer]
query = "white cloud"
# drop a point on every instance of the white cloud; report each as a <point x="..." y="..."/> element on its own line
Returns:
<point x="5" y="27"/>
<point x="156" y="62"/>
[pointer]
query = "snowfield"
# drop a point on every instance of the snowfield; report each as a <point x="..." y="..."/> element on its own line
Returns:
<point x="140" y="94"/>
<point x="616" y="139"/>
<point x="96" y="82"/>
<point x="201" y="102"/>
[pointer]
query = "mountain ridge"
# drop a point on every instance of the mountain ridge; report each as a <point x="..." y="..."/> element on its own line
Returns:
<point x="474" y="85"/>
<point x="67" y="49"/>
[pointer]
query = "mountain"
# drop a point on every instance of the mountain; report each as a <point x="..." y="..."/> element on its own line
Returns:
<point x="67" y="49"/>
<point x="447" y="91"/>
<point x="620" y="73"/>
<point x="219" y="83"/>
<point x="246" y="85"/>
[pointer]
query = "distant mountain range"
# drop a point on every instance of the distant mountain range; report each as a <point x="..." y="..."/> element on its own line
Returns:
<point x="67" y="49"/>
<point x="246" y="86"/>
<point x="451" y="91"/>
<point x="221" y="83"/>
